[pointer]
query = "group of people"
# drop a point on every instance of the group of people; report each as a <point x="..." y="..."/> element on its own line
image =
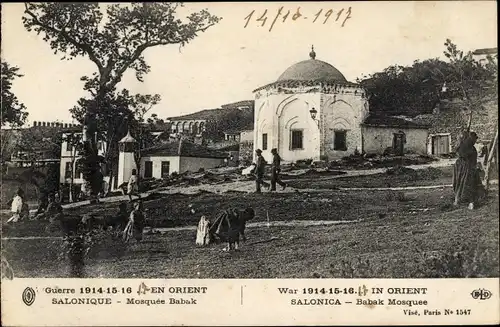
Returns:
<point x="467" y="185"/>
<point x="259" y="171"/>
<point x="49" y="207"/>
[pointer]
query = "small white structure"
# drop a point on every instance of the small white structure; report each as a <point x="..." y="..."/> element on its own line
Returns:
<point x="126" y="160"/>
<point x="178" y="157"/>
<point x="401" y="134"/>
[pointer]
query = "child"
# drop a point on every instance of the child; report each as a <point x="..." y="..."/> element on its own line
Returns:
<point x="132" y="187"/>
<point x="18" y="207"/>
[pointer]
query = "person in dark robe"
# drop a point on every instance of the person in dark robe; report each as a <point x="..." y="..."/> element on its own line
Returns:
<point x="136" y="223"/>
<point x="229" y="225"/>
<point x="275" y="171"/>
<point x="43" y="202"/>
<point x="260" y="166"/>
<point x="465" y="172"/>
<point x="54" y="209"/>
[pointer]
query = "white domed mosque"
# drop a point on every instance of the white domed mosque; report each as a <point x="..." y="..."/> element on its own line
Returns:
<point x="310" y="112"/>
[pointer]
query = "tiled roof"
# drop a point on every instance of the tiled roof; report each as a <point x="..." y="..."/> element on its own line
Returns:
<point x="183" y="149"/>
<point x="392" y="121"/>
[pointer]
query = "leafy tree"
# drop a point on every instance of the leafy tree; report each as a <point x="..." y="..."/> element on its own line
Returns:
<point x="33" y="144"/>
<point x="115" y="44"/>
<point x="416" y="89"/>
<point x="411" y="90"/>
<point x="13" y="111"/>
<point x="119" y="113"/>
<point x="468" y="79"/>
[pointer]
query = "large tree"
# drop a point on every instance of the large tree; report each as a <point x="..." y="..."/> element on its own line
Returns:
<point x="120" y="112"/>
<point x="468" y="79"/>
<point x="13" y="111"/>
<point x="409" y="90"/>
<point x="114" y="42"/>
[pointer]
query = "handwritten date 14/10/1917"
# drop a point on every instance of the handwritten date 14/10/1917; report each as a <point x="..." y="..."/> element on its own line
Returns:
<point x="322" y="16"/>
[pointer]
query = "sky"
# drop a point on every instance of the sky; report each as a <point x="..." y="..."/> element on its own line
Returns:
<point x="227" y="62"/>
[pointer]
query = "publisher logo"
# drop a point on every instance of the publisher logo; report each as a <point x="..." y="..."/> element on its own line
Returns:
<point x="481" y="294"/>
<point x="28" y="296"/>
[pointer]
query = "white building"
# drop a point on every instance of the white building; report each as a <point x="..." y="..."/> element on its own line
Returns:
<point x="166" y="159"/>
<point x="310" y="112"/>
<point x="70" y="155"/>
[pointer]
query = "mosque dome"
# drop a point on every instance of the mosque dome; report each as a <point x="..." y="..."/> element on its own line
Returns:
<point x="312" y="70"/>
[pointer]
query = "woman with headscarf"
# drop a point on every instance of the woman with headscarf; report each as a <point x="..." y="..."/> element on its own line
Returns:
<point x="465" y="172"/>
<point x="135" y="226"/>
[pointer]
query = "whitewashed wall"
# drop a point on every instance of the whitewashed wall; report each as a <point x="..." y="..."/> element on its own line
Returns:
<point x="377" y="139"/>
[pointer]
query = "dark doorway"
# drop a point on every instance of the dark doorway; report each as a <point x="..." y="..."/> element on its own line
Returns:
<point x="148" y="169"/>
<point x="398" y="143"/>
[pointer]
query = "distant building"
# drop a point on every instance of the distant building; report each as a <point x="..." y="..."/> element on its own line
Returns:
<point x="232" y="136"/>
<point x="41" y="138"/>
<point x="212" y="123"/>
<point x="246" y="147"/>
<point x="481" y="55"/>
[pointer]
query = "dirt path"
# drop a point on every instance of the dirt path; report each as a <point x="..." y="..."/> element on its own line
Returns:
<point x="249" y="186"/>
<point x="260" y="224"/>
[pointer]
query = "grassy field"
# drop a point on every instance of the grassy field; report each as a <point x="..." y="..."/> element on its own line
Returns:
<point x="414" y="233"/>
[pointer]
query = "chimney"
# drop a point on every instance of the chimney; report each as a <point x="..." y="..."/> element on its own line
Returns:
<point x="34" y="124"/>
<point x="43" y="124"/>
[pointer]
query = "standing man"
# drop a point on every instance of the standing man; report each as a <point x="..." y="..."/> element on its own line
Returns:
<point x="275" y="171"/>
<point x="260" y="166"/>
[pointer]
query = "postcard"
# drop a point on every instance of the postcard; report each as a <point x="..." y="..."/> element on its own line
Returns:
<point x="249" y="163"/>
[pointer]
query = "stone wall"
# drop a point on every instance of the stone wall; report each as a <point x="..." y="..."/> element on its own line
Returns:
<point x="452" y="118"/>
